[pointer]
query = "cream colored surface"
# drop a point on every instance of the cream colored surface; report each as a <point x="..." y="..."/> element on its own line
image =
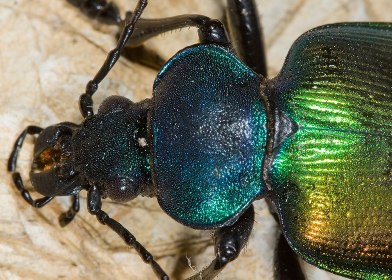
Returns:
<point x="48" y="51"/>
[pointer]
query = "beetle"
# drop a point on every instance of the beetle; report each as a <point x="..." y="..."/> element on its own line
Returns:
<point x="44" y="157"/>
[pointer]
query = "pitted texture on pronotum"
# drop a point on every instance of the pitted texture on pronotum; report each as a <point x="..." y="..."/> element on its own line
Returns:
<point x="333" y="177"/>
<point x="209" y="132"/>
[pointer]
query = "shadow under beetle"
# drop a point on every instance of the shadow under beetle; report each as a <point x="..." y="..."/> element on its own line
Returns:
<point x="315" y="141"/>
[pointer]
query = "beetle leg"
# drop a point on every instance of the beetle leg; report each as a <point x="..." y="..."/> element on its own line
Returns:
<point x="85" y="101"/>
<point x="286" y="265"/>
<point x="209" y="30"/>
<point x="94" y="204"/>
<point x="66" y="217"/>
<point x="229" y="241"/>
<point x="246" y="34"/>
<point x="101" y="10"/>
<point x="147" y="28"/>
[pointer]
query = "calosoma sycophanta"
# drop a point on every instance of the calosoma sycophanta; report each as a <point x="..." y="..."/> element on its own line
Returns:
<point x="284" y="120"/>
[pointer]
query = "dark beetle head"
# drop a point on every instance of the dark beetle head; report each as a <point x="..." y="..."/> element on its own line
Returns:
<point x="111" y="149"/>
<point x="52" y="172"/>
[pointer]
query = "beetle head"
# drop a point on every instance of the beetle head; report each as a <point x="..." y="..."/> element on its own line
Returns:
<point x="52" y="172"/>
<point x="111" y="149"/>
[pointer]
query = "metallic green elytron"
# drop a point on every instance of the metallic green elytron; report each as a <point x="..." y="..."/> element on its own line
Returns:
<point x="331" y="180"/>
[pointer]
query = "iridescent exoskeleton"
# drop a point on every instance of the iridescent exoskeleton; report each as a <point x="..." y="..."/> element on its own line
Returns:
<point x="315" y="141"/>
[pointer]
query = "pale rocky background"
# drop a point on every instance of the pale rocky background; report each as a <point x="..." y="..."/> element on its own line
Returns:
<point x="48" y="51"/>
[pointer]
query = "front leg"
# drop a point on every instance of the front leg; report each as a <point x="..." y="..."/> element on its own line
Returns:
<point x="94" y="205"/>
<point x="229" y="241"/>
<point x="66" y="217"/>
